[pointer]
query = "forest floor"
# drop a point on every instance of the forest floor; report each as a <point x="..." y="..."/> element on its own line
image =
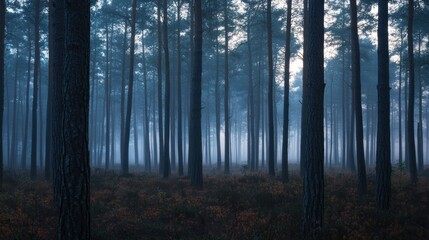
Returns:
<point x="240" y="206"/>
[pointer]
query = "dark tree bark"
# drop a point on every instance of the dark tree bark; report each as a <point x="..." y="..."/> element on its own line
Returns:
<point x="362" y="187"/>
<point x="136" y="135"/>
<point x="420" y="122"/>
<point x="14" y="143"/>
<point x="383" y="165"/>
<point x="226" y="107"/>
<point x="27" y="109"/>
<point x="124" y="54"/>
<point x="35" y="89"/>
<point x="58" y="98"/>
<point x="125" y="152"/>
<point x="195" y="136"/>
<point x="147" y="155"/>
<point x="313" y="200"/>
<point x="166" y="156"/>
<point x="285" y="169"/>
<point x="179" y="92"/>
<point x="410" y="123"/>
<point x="271" y="141"/>
<point x="107" y="100"/>
<point x="49" y="137"/>
<point x="74" y="220"/>
<point x="159" y="70"/>
<point x="251" y="146"/>
<point x="2" y="36"/>
<point x="303" y="149"/>
<point x="400" y="100"/>
<point x="217" y="106"/>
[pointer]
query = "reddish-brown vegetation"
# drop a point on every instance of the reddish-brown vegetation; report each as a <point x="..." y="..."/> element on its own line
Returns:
<point x="229" y="207"/>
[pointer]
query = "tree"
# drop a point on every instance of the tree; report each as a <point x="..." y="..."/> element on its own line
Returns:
<point x="271" y="155"/>
<point x="74" y="220"/>
<point x="410" y="121"/>
<point x="179" y="92"/>
<point x="58" y="34"/>
<point x="159" y="74"/>
<point x="166" y="156"/>
<point x="35" y="89"/>
<point x="147" y="164"/>
<point x="107" y="92"/>
<point x="357" y="95"/>
<point x="195" y="136"/>
<point x="2" y="36"/>
<point x="285" y="170"/>
<point x="313" y="200"/>
<point x="226" y="107"/>
<point x="383" y="167"/>
<point x="125" y="149"/>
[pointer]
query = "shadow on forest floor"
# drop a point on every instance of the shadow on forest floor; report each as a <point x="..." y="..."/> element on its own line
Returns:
<point x="240" y="206"/>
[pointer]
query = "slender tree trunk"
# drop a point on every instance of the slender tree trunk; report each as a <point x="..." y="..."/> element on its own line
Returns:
<point x="123" y="83"/>
<point x="159" y="65"/>
<point x="217" y="99"/>
<point x="410" y="123"/>
<point x="2" y="36"/>
<point x="27" y="109"/>
<point x="179" y="92"/>
<point x="107" y="92"/>
<point x="35" y="90"/>
<point x="271" y="142"/>
<point x="40" y="135"/>
<point x="136" y="135"/>
<point x="285" y="169"/>
<point x="362" y="186"/>
<point x="226" y="107"/>
<point x="125" y="152"/>
<point x="147" y="158"/>
<point x="166" y="156"/>
<point x="313" y="200"/>
<point x="420" y="123"/>
<point x="303" y="148"/>
<point x="195" y="141"/>
<point x="383" y="165"/>
<point x="400" y="100"/>
<point x="14" y="143"/>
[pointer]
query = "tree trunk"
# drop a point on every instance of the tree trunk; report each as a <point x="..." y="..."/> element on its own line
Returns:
<point x="74" y="220"/>
<point x="2" y="36"/>
<point x="271" y="140"/>
<point x="14" y="143"/>
<point x="159" y="66"/>
<point x="125" y="155"/>
<point x="285" y="169"/>
<point x="136" y="135"/>
<point x="400" y="101"/>
<point x="35" y="89"/>
<point x="147" y="156"/>
<point x="217" y="99"/>
<point x="195" y="141"/>
<point x="124" y="54"/>
<point x="303" y="148"/>
<point x="179" y="93"/>
<point x="383" y="165"/>
<point x="166" y="161"/>
<point x="420" y="123"/>
<point x="107" y="93"/>
<point x="27" y="109"/>
<point x="313" y="200"/>
<point x="362" y="186"/>
<point x="410" y="123"/>
<point x="226" y="107"/>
